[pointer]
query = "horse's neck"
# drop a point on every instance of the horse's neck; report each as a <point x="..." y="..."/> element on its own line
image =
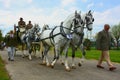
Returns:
<point x="67" y="24"/>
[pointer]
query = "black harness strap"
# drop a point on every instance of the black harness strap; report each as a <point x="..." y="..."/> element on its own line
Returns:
<point x="51" y="36"/>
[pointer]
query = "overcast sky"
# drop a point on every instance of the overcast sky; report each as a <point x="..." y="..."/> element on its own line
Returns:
<point x="52" y="12"/>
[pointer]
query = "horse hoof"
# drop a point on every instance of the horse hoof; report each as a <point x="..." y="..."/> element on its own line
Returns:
<point x="73" y="67"/>
<point x="30" y="59"/>
<point x="51" y="66"/>
<point x="48" y="65"/>
<point x="68" y="69"/>
<point x="79" y="64"/>
<point x="42" y="63"/>
<point x="62" y="63"/>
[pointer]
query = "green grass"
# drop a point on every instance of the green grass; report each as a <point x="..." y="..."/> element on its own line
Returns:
<point x="95" y="54"/>
<point x="3" y="73"/>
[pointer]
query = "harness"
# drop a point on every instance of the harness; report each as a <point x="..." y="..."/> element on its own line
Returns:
<point x="62" y="32"/>
<point x="51" y="36"/>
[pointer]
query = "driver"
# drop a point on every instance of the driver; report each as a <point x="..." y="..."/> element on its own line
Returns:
<point x="29" y="25"/>
<point x="21" y="25"/>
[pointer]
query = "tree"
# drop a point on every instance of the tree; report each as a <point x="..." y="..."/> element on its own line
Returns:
<point x="87" y="44"/>
<point x="116" y="32"/>
<point x="1" y="36"/>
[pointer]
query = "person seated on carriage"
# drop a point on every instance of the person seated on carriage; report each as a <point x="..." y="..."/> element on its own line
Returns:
<point x="29" y="26"/>
<point x="21" y="25"/>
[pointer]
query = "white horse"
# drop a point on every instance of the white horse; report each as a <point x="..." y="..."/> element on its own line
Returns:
<point x="45" y="27"/>
<point x="57" y="37"/>
<point x="38" y="43"/>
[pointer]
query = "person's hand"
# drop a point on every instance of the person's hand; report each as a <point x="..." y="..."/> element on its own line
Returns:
<point x="98" y="49"/>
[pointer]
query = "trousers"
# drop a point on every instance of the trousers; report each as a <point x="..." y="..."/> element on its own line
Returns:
<point x="11" y="52"/>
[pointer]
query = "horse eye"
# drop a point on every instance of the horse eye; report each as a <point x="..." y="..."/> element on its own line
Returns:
<point x="93" y="20"/>
<point x="82" y="22"/>
<point x="86" y="17"/>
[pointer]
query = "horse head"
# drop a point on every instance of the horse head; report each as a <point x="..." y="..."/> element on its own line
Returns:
<point x="77" y="23"/>
<point x="45" y="27"/>
<point x="33" y="31"/>
<point x="36" y="28"/>
<point x="89" y="20"/>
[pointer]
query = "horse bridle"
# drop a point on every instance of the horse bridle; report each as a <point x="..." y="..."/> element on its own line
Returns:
<point x="87" y="19"/>
<point x="76" y="21"/>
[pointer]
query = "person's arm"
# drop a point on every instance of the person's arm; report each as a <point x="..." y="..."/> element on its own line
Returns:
<point x="98" y="41"/>
<point x="7" y="40"/>
<point x="19" y="24"/>
<point x="24" y="24"/>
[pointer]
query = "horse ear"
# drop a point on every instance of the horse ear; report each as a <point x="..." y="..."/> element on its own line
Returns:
<point x="75" y="13"/>
<point x="89" y="11"/>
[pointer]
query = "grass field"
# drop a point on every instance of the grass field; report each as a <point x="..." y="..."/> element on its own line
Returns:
<point x="95" y="54"/>
<point x="3" y="73"/>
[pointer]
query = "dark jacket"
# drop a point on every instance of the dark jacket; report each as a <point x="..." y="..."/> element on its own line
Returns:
<point x="104" y="40"/>
<point x="11" y="41"/>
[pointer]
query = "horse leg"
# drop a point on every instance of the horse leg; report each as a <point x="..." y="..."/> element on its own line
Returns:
<point x="37" y="51"/>
<point x="41" y="50"/>
<point x="83" y="51"/>
<point x="45" y="59"/>
<point x="73" y="57"/>
<point x="83" y="55"/>
<point x="54" y="55"/>
<point x="33" y="49"/>
<point x="61" y="57"/>
<point x="23" y="51"/>
<point x="30" y="51"/>
<point x="29" y="48"/>
<point x="57" y="51"/>
<point x="67" y="68"/>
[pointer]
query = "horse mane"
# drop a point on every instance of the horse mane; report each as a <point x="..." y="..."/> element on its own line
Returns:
<point x="70" y="18"/>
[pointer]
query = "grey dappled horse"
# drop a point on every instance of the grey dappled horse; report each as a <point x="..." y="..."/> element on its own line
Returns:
<point x="78" y="35"/>
<point x="27" y="37"/>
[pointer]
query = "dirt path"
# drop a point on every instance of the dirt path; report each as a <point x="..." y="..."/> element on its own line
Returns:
<point x="23" y="69"/>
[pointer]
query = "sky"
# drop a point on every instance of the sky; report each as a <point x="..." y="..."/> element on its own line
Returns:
<point x="52" y="12"/>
